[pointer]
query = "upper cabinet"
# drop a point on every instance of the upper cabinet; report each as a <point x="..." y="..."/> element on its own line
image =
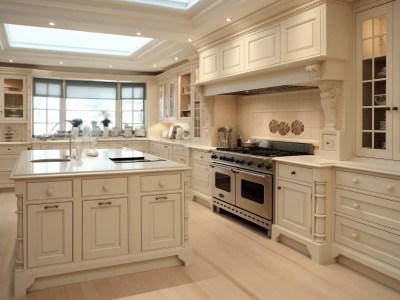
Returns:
<point x="184" y="103"/>
<point x="12" y="98"/>
<point x="376" y="68"/>
<point x="321" y="32"/>
<point x="167" y="100"/>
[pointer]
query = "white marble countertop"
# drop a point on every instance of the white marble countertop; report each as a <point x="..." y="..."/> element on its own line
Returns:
<point x="101" y="164"/>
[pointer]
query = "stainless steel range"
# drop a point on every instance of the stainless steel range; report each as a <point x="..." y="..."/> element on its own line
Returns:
<point x="242" y="179"/>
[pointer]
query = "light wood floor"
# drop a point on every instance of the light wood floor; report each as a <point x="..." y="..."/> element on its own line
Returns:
<point x="230" y="261"/>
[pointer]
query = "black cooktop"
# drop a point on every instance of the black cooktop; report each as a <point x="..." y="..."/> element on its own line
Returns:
<point x="259" y="151"/>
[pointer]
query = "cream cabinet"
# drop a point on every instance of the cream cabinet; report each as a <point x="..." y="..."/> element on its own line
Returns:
<point x="104" y="144"/>
<point x="49" y="233"/>
<point x="167" y="99"/>
<point x="184" y="96"/>
<point x="303" y="209"/>
<point x="105" y="227"/>
<point x="201" y="175"/>
<point x="180" y="154"/>
<point x="377" y="74"/>
<point x="142" y="146"/>
<point x="13" y="98"/>
<point x="161" y="221"/>
<point x="155" y="149"/>
<point x="367" y="220"/>
<point x="8" y="156"/>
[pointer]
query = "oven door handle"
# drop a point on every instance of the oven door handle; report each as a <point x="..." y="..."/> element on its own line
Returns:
<point x="255" y="174"/>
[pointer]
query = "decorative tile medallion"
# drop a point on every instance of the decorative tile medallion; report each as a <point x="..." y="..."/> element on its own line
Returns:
<point x="273" y="126"/>
<point x="284" y="128"/>
<point x="297" y="127"/>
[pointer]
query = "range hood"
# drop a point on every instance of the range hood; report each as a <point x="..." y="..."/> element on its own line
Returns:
<point x="269" y="90"/>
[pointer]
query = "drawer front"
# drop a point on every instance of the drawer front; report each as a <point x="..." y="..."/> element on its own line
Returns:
<point x="377" y="243"/>
<point x="181" y="159"/>
<point x="155" y="145"/>
<point x="106" y="186"/>
<point x="50" y="190"/>
<point x="12" y="149"/>
<point x="161" y="182"/>
<point x="201" y="156"/>
<point x="371" y="183"/>
<point x="7" y="161"/>
<point x="180" y="150"/>
<point x="295" y="173"/>
<point x="378" y="210"/>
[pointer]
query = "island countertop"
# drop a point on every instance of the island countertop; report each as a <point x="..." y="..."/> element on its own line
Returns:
<point x="88" y="165"/>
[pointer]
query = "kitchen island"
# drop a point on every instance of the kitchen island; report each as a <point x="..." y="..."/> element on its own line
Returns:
<point x="95" y="218"/>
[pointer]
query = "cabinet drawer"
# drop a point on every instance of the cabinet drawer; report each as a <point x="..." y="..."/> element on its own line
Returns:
<point x="295" y="173"/>
<point x="180" y="150"/>
<point x="374" y="209"/>
<point x="161" y="182"/>
<point x="201" y="156"/>
<point x="50" y="190"/>
<point x="371" y="183"/>
<point x="7" y="161"/>
<point x="12" y="149"/>
<point x="377" y="243"/>
<point x="181" y="159"/>
<point x="106" y="186"/>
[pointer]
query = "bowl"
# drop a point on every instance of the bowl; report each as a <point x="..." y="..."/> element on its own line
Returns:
<point x="380" y="99"/>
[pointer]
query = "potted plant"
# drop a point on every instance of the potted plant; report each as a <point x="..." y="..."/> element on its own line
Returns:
<point x="75" y="127"/>
<point x="105" y="123"/>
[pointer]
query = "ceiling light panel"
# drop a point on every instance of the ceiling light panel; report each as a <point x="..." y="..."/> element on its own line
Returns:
<point x="72" y="41"/>
<point x="175" y="4"/>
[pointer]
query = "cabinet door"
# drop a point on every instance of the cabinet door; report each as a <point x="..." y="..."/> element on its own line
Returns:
<point x="138" y="145"/>
<point x="161" y="221"/>
<point x="12" y="104"/>
<point x="293" y="203"/>
<point x="166" y="152"/>
<point x="161" y="101"/>
<point x="396" y="82"/>
<point x="374" y="82"/>
<point x="209" y="64"/>
<point x="49" y="234"/>
<point x="231" y="58"/>
<point x="105" y="228"/>
<point x="262" y="49"/>
<point x="201" y="178"/>
<point x="172" y="98"/>
<point x="301" y="35"/>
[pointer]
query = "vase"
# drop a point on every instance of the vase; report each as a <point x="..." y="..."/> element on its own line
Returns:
<point x="106" y="131"/>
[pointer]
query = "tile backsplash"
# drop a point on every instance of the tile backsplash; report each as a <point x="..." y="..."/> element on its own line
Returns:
<point x="295" y="115"/>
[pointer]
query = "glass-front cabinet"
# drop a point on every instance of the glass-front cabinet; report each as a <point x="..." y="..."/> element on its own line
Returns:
<point x="12" y="104"/>
<point x="375" y="103"/>
<point x="167" y="100"/>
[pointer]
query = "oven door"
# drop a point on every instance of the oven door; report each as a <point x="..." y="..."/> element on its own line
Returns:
<point x="254" y="193"/>
<point x="223" y="181"/>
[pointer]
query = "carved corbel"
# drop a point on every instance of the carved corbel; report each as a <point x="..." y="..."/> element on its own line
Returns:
<point x="314" y="71"/>
<point x="329" y="98"/>
<point x="208" y="111"/>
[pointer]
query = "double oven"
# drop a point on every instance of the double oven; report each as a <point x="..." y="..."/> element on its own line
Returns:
<point x="242" y="180"/>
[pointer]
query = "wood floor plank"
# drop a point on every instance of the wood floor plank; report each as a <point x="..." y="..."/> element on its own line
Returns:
<point x="231" y="260"/>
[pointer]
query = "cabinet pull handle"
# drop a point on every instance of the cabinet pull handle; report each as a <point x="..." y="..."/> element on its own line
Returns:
<point x="293" y="173"/>
<point x="221" y="195"/>
<point x="105" y="203"/>
<point x="50" y="206"/>
<point x="388" y="108"/>
<point x="162" y="198"/>
<point x="49" y="192"/>
<point x="389" y="187"/>
<point x="356" y="205"/>
<point x="354" y="235"/>
<point x="395" y="108"/>
<point x="355" y="181"/>
<point x="279" y="187"/>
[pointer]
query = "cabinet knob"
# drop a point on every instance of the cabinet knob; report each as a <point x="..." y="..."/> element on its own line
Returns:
<point x="279" y="187"/>
<point x="161" y="184"/>
<point x="49" y="191"/>
<point x="389" y="187"/>
<point x="388" y="108"/>
<point x="356" y="205"/>
<point x="106" y="187"/>
<point x="354" y="180"/>
<point x="395" y="108"/>
<point x="354" y="235"/>
<point x="293" y="173"/>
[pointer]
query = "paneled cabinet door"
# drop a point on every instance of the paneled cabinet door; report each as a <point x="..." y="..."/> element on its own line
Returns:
<point x="231" y="58"/>
<point x="49" y="234"/>
<point x="294" y="207"/>
<point x="209" y="64"/>
<point x="161" y="221"/>
<point x="12" y="98"/>
<point x="105" y="228"/>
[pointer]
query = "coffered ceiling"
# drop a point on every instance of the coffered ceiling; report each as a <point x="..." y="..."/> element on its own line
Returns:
<point x="169" y="28"/>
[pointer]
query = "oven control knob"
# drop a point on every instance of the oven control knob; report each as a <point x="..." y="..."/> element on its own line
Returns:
<point x="268" y="166"/>
<point x="242" y="162"/>
<point x="237" y="161"/>
<point x="260" y="165"/>
<point x="249" y="163"/>
<point x="214" y="156"/>
<point x="222" y="158"/>
<point x="232" y="159"/>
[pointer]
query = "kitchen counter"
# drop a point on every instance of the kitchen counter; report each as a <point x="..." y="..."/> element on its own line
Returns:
<point x="93" y="218"/>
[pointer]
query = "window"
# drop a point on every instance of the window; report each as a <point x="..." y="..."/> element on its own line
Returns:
<point x="55" y="101"/>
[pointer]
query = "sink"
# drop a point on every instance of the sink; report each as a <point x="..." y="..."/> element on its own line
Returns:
<point x="45" y="160"/>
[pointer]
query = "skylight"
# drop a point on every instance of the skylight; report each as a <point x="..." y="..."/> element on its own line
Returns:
<point x="177" y="4"/>
<point x="72" y="41"/>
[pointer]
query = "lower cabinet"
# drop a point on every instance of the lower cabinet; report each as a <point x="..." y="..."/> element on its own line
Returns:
<point x="138" y="145"/>
<point x="161" y="221"/>
<point x="294" y="207"/>
<point x="201" y="175"/>
<point x="105" y="228"/>
<point x="8" y="157"/>
<point x="49" y="233"/>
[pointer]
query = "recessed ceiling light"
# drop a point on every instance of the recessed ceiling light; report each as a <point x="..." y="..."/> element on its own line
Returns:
<point x="51" y="23"/>
<point x="176" y="58"/>
<point x="228" y="19"/>
<point x="110" y="66"/>
<point x="61" y="62"/>
<point x="138" y="33"/>
<point x="10" y="60"/>
<point x="154" y="65"/>
<point x="190" y="40"/>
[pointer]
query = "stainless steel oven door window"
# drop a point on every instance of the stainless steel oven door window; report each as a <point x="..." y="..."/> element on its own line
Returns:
<point x="254" y="193"/>
<point x="223" y="184"/>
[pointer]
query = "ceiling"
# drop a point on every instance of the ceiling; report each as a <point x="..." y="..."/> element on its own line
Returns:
<point x="169" y="28"/>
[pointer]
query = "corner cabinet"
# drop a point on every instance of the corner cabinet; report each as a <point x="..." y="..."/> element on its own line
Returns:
<point x="12" y="98"/>
<point x="377" y="73"/>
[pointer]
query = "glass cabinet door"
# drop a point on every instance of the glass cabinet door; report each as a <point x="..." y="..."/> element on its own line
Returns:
<point x="13" y="106"/>
<point x="172" y="99"/>
<point x="374" y="94"/>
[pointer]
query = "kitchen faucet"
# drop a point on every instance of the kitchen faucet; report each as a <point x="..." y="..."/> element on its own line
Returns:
<point x="70" y="137"/>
